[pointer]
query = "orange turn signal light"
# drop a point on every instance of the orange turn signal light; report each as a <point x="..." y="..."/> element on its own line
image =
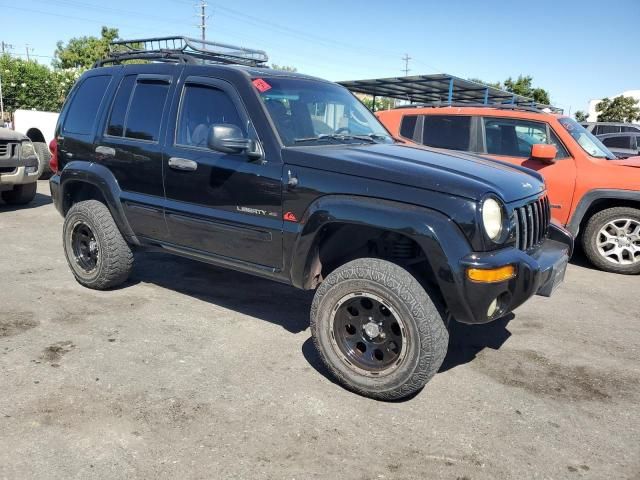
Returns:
<point x="491" y="275"/>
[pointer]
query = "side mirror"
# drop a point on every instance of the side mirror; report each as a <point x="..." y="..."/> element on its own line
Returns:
<point x="544" y="152"/>
<point x="227" y="138"/>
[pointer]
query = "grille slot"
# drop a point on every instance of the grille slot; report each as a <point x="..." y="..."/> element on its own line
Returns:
<point x="532" y="223"/>
<point x="6" y="149"/>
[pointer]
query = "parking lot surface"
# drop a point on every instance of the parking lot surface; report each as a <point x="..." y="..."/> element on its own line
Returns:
<point x="191" y="371"/>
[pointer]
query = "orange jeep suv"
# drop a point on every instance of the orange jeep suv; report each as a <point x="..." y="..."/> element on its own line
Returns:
<point x="591" y="192"/>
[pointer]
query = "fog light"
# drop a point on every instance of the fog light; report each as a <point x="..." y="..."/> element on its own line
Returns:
<point x="30" y="170"/>
<point x="491" y="275"/>
<point x="493" y="308"/>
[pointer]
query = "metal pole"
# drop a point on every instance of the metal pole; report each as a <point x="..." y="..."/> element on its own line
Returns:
<point x="1" y="102"/>
<point x="450" y="90"/>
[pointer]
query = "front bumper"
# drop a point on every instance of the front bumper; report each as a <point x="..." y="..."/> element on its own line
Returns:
<point x="14" y="171"/>
<point x="538" y="272"/>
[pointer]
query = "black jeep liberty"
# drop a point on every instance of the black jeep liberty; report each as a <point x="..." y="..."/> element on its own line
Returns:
<point x="201" y="151"/>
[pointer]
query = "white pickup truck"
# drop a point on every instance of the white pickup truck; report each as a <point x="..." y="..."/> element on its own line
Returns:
<point x="39" y="127"/>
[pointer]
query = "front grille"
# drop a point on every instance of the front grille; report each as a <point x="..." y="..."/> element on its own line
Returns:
<point x="532" y="223"/>
<point x="7" y="169"/>
<point x="6" y="149"/>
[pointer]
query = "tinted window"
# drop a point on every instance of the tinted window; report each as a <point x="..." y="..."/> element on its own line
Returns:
<point x="623" y="141"/>
<point x="203" y="107"/>
<point x="514" y="138"/>
<point x="603" y="129"/>
<point x="408" y="126"/>
<point x="630" y="128"/>
<point x="83" y="112"/>
<point x="145" y="112"/>
<point x="452" y="132"/>
<point x="120" y="104"/>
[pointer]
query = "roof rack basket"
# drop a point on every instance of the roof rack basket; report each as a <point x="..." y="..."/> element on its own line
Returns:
<point x="182" y="50"/>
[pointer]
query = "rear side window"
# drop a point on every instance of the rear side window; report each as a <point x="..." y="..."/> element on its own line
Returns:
<point x="408" y="126"/>
<point x="145" y="111"/>
<point x="442" y="131"/>
<point x="83" y="111"/>
<point x="203" y="107"/>
<point x="623" y="141"/>
<point x="120" y="105"/>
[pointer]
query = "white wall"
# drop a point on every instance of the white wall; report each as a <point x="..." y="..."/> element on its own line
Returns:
<point x="593" y="116"/>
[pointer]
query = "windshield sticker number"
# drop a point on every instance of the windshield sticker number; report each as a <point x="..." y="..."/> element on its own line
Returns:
<point x="261" y="85"/>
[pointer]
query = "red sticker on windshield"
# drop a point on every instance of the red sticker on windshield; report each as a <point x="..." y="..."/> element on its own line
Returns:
<point x="261" y="85"/>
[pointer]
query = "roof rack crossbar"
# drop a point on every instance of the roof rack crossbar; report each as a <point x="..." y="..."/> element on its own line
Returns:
<point x="182" y="49"/>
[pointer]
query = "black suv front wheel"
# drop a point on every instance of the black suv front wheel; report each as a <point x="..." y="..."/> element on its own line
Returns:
<point x="377" y="330"/>
<point x="97" y="253"/>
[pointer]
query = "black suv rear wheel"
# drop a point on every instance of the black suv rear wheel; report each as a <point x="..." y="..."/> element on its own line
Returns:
<point x="95" y="249"/>
<point x="377" y="330"/>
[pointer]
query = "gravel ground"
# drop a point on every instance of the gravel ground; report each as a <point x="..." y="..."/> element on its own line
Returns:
<point x="191" y="371"/>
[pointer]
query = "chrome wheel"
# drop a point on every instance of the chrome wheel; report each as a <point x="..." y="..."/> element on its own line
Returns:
<point x="619" y="241"/>
<point x="368" y="334"/>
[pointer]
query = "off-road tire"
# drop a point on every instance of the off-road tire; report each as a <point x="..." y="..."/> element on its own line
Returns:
<point x="590" y="238"/>
<point x="115" y="258"/>
<point x="44" y="155"/>
<point x="424" y="323"/>
<point x="20" y="194"/>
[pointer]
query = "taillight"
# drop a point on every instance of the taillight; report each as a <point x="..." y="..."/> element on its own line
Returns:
<point x="53" y="162"/>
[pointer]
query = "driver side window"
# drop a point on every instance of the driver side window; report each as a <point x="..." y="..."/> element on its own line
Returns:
<point x="201" y="108"/>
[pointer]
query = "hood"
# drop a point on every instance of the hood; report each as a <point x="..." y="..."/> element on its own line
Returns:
<point x="448" y="172"/>
<point x="7" y="134"/>
<point x="627" y="162"/>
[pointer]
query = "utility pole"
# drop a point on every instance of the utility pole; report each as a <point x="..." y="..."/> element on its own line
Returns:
<point x="406" y="69"/>
<point x="5" y="47"/>
<point x="203" y="20"/>
<point x="27" y="49"/>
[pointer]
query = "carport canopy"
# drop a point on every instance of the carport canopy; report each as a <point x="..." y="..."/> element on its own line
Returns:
<point x="440" y="89"/>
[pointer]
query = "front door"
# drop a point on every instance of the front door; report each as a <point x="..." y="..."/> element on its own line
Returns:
<point x="511" y="139"/>
<point x="222" y="204"/>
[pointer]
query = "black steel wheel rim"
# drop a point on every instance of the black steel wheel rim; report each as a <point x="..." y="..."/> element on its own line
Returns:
<point x="85" y="247"/>
<point x="368" y="333"/>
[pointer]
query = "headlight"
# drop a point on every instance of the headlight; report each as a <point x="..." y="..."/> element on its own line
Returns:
<point x="492" y="218"/>
<point x="27" y="150"/>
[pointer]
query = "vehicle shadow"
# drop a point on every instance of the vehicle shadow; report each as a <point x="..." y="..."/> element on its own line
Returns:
<point x="246" y="294"/>
<point x="466" y="341"/>
<point x="39" y="200"/>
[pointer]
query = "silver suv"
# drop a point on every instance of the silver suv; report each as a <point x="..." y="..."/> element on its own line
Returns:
<point x="19" y="168"/>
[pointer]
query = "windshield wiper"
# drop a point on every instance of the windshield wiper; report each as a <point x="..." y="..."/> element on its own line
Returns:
<point x="335" y="137"/>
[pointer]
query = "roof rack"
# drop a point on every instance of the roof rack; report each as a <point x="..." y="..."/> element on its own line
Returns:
<point x="180" y="49"/>
<point x="502" y="106"/>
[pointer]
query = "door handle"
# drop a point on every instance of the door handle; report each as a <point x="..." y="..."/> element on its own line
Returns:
<point x="105" y="152"/>
<point x="182" y="164"/>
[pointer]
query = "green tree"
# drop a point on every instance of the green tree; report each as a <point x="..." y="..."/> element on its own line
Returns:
<point x="29" y="85"/>
<point x="581" y="116"/>
<point x="488" y="84"/>
<point x="382" y="103"/>
<point x="83" y="52"/>
<point x="285" y="68"/>
<point x="620" y="109"/>
<point x="523" y="85"/>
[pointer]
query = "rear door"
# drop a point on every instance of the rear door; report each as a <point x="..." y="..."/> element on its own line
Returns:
<point x="130" y="146"/>
<point x="221" y="204"/>
<point x="511" y="139"/>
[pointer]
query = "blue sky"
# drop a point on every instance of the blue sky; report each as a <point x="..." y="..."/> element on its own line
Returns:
<point x="576" y="49"/>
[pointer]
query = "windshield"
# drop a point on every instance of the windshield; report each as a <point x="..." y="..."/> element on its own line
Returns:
<point x="587" y="141"/>
<point x="308" y="112"/>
